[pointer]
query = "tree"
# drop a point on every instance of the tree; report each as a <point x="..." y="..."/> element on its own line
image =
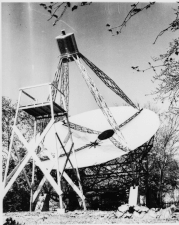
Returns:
<point x="24" y="123"/>
<point x="17" y="198"/>
<point x="163" y="163"/>
<point x="163" y="166"/>
<point x="166" y="74"/>
<point x="116" y="30"/>
<point x="8" y="113"/>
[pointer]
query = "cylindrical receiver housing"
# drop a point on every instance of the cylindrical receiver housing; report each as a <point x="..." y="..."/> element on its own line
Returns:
<point x="67" y="45"/>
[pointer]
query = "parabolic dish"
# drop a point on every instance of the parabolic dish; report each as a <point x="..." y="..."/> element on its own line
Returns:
<point x="138" y="131"/>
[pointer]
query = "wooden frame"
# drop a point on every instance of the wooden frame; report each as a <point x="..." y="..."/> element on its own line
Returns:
<point x="31" y="147"/>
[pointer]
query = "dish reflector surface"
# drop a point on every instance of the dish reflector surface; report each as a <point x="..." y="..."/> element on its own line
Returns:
<point x="138" y="131"/>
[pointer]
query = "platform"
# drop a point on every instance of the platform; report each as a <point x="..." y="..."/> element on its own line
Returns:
<point x="43" y="110"/>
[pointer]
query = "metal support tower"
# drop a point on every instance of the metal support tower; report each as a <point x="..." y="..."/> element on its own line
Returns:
<point x="69" y="52"/>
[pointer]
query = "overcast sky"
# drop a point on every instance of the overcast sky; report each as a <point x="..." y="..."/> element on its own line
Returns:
<point x="30" y="52"/>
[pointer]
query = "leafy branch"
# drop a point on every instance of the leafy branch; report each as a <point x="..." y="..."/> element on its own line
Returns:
<point x="58" y="9"/>
<point x="172" y="26"/>
<point x="117" y="29"/>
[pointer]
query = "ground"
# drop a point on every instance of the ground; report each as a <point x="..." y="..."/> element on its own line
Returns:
<point x="78" y="217"/>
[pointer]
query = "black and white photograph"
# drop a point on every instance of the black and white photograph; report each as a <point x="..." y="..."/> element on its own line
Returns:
<point x="90" y="112"/>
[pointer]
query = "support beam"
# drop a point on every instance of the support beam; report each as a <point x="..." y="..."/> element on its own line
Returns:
<point x="122" y="144"/>
<point x="67" y="178"/>
<point x="11" y="142"/>
<point x="33" y="169"/>
<point x="31" y="153"/>
<point x="76" y="166"/>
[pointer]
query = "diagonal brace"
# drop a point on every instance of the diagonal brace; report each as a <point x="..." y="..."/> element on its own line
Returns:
<point x="31" y="153"/>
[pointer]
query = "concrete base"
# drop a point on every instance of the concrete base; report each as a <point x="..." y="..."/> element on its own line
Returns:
<point x="61" y="211"/>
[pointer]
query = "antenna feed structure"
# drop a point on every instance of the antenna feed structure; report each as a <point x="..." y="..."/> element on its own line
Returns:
<point x="67" y="46"/>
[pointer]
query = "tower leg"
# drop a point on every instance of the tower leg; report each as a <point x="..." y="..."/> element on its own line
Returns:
<point x="65" y="104"/>
<point x="33" y="171"/>
<point x="76" y="166"/>
<point x="58" y="176"/>
<point x="32" y="183"/>
<point x="12" y="137"/>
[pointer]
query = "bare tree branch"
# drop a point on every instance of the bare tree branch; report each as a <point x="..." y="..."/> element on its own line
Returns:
<point x="56" y="10"/>
<point x="168" y="76"/>
<point x="132" y="12"/>
<point x="172" y="26"/>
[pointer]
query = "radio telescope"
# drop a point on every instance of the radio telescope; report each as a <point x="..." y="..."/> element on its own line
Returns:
<point x="132" y="127"/>
<point x="94" y="137"/>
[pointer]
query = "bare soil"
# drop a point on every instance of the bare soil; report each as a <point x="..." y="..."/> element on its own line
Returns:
<point x="78" y="217"/>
